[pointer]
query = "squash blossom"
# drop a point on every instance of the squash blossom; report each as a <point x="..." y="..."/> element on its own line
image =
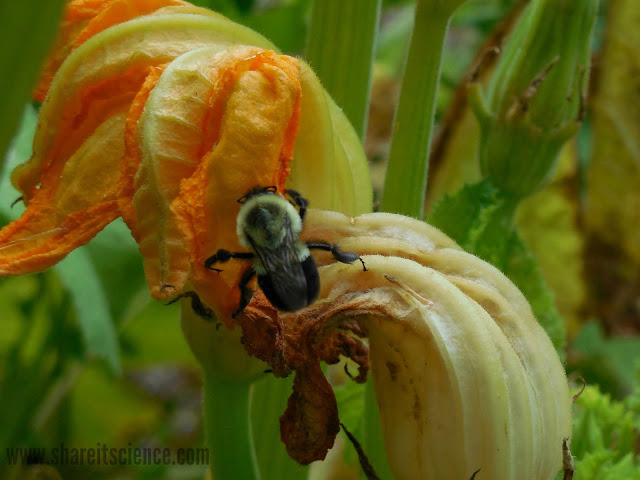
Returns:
<point x="465" y="377"/>
<point x="165" y="114"/>
<point x="141" y="119"/>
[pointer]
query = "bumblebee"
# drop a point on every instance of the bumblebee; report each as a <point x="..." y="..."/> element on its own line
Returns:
<point x="269" y="225"/>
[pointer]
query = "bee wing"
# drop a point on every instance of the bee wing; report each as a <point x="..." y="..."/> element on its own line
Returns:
<point x="284" y="284"/>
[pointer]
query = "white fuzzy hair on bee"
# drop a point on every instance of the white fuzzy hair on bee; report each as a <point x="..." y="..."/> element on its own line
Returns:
<point x="280" y="204"/>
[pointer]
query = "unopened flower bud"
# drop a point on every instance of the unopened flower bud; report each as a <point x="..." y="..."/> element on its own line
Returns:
<point x="534" y="100"/>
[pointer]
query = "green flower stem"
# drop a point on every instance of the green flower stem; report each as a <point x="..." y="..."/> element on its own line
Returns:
<point x="227" y="430"/>
<point x="340" y="50"/>
<point x="269" y="398"/>
<point x="406" y="178"/>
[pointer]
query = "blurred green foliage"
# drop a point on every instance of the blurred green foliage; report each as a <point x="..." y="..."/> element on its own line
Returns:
<point x="605" y="435"/>
<point x="94" y="305"/>
<point x="25" y="34"/>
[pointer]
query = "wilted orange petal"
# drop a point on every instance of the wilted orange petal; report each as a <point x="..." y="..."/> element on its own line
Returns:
<point x="85" y="18"/>
<point x="180" y="123"/>
<point x="101" y="78"/>
<point x="77" y="200"/>
<point x="254" y="137"/>
<point x="64" y="127"/>
<point x="310" y="424"/>
<point x="166" y="147"/>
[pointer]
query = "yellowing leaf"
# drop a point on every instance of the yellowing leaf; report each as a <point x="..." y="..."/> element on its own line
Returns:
<point x="613" y="201"/>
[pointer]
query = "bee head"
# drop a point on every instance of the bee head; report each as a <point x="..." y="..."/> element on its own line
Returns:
<point x="265" y="218"/>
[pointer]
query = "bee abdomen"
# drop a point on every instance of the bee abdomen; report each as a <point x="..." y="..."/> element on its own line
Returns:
<point x="294" y="293"/>
<point x="312" y="277"/>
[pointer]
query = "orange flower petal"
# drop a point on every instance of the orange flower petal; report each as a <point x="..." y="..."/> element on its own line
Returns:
<point x="77" y="200"/>
<point x="103" y="76"/>
<point x="85" y="18"/>
<point x="74" y="169"/>
<point x="253" y="146"/>
<point x="185" y="115"/>
<point x="166" y="146"/>
<point x="132" y="156"/>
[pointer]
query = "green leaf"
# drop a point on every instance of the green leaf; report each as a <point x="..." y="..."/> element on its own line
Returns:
<point x="350" y="398"/>
<point x="113" y="248"/>
<point x="597" y="420"/>
<point x="605" y="360"/>
<point x="79" y="276"/>
<point x="116" y="260"/>
<point x="27" y="31"/>
<point x="600" y="466"/>
<point x="466" y="214"/>
<point x="373" y="441"/>
<point x="285" y="25"/>
<point x="227" y="8"/>
<point x="481" y="221"/>
<point x="605" y="435"/>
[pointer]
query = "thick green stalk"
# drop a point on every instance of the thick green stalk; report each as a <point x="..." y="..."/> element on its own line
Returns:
<point x="340" y="50"/>
<point x="269" y="398"/>
<point x="227" y="429"/>
<point x="406" y="178"/>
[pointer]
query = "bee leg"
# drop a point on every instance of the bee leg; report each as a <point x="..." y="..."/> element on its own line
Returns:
<point x="17" y="200"/>
<point x="299" y="200"/>
<point x="339" y="255"/>
<point x="245" y="292"/>
<point x="222" y="256"/>
<point x="196" y="304"/>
